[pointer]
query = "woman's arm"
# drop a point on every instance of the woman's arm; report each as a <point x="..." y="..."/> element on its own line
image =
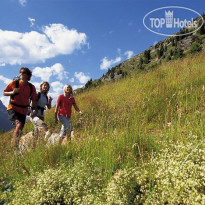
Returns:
<point x="77" y="108"/>
<point x="49" y="102"/>
<point x="56" y="111"/>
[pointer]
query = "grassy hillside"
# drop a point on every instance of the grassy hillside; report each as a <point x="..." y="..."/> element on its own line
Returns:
<point x="139" y="141"/>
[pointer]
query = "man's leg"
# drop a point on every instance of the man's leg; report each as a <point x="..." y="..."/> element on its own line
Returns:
<point x="16" y="134"/>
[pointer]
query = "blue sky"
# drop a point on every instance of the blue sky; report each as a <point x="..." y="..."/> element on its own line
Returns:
<point x="71" y="41"/>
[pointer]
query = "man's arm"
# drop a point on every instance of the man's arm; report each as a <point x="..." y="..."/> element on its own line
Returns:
<point x="34" y="107"/>
<point x="9" y="93"/>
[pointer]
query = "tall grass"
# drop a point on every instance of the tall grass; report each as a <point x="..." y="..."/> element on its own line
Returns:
<point x="124" y="122"/>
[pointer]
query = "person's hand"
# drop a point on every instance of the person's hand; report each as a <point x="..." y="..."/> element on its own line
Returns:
<point x="80" y="112"/>
<point x="16" y="90"/>
<point x="33" y="114"/>
<point x="50" y="98"/>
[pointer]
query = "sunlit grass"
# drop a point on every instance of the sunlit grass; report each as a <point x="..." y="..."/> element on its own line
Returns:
<point x="124" y="122"/>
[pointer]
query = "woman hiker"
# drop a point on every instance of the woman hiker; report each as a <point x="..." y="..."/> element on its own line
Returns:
<point x="42" y="102"/>
<point x="63" y="112"/>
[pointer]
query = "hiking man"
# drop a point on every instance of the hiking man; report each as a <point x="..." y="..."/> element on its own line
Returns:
<point x="20" y="92"/>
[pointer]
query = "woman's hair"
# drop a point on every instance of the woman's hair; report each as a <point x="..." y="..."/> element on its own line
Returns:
<point x="41" y="85"/>
<point x="70" y="87"/>
<point x="29" y="73"/>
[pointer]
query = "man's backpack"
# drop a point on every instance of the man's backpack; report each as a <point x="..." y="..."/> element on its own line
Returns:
<point x="17" y="79"/>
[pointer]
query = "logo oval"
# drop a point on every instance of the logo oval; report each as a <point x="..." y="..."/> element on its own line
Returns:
<point x="167" y="21"/>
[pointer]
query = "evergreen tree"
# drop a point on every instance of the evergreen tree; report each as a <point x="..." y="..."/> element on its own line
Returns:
<point x="160" y="52"/>
<point x="178" y="53"/>
<point x="89" y="83"/>
<point x="147" y="56"/>
<point x="195" y="47"/>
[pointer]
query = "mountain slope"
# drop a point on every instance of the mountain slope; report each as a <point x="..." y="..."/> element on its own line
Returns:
<point x="5" y="125"/>
<point x="171" y="48"/>
<point x="142" y="134"/>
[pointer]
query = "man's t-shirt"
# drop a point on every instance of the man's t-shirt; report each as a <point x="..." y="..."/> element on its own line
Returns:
<point x="65" y="105"/>
<point x="22" y="98"/>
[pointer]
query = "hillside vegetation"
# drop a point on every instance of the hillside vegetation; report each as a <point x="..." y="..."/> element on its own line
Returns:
<point x="139" y="141"/>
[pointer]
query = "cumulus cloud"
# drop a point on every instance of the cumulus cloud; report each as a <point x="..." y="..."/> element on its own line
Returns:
<point x="72" y="80"/>
<point x="32" y="21"/>
<point x="23" y="2"/>
<point x="5" y="80"/>
<point x="34" y="47"/>
<point x="77" y="86"/>
<point x="57" y="87"/>
<point x="5" y="100"/>
<point x="46" y="73"/>
<point x="37" y="85"/>
<point x="82" y="78"/>
<point x="108" y="63"/>
<point x="129" y="54"/>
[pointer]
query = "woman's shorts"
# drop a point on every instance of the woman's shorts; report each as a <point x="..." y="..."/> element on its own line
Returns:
<point x="14" y="116"/>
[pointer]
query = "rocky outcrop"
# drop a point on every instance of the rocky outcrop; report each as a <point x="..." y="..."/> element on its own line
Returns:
<point x="28" y="140"/>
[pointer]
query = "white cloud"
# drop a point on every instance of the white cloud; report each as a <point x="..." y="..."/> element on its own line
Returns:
<point x="72" y="80"/>
<point x="82" y="78"/>
<point x="55" y="70"/>
<point x="5" y="100"/>
<point x="37" y="85"/>
<point x="57" y="87"/>
<point x="129" y="54"/>
<point x="34" y="47"/>
<point x="108" y="63"/>
<point x="119" y="51"/>
<point x="5" y="80"/>
<point x="23" y="2"/>
<point x="32" y="21"/>
<point x="63" y="40"/>
<point x="77" y="86"/>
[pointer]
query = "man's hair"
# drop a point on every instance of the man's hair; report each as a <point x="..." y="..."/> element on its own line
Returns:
<point x="41" y="85"/>
<point x="29" y="73"/>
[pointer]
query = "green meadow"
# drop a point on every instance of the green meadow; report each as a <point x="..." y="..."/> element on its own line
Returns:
<point x="140" y="140"/>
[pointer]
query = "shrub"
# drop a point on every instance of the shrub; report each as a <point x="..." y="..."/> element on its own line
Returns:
<point x="176" y="176"/>
<point x="78" y="185"/>
<point x="195" y="47"/>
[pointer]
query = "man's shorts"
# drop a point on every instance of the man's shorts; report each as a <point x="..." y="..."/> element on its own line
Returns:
<point x="14" y="116"/>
